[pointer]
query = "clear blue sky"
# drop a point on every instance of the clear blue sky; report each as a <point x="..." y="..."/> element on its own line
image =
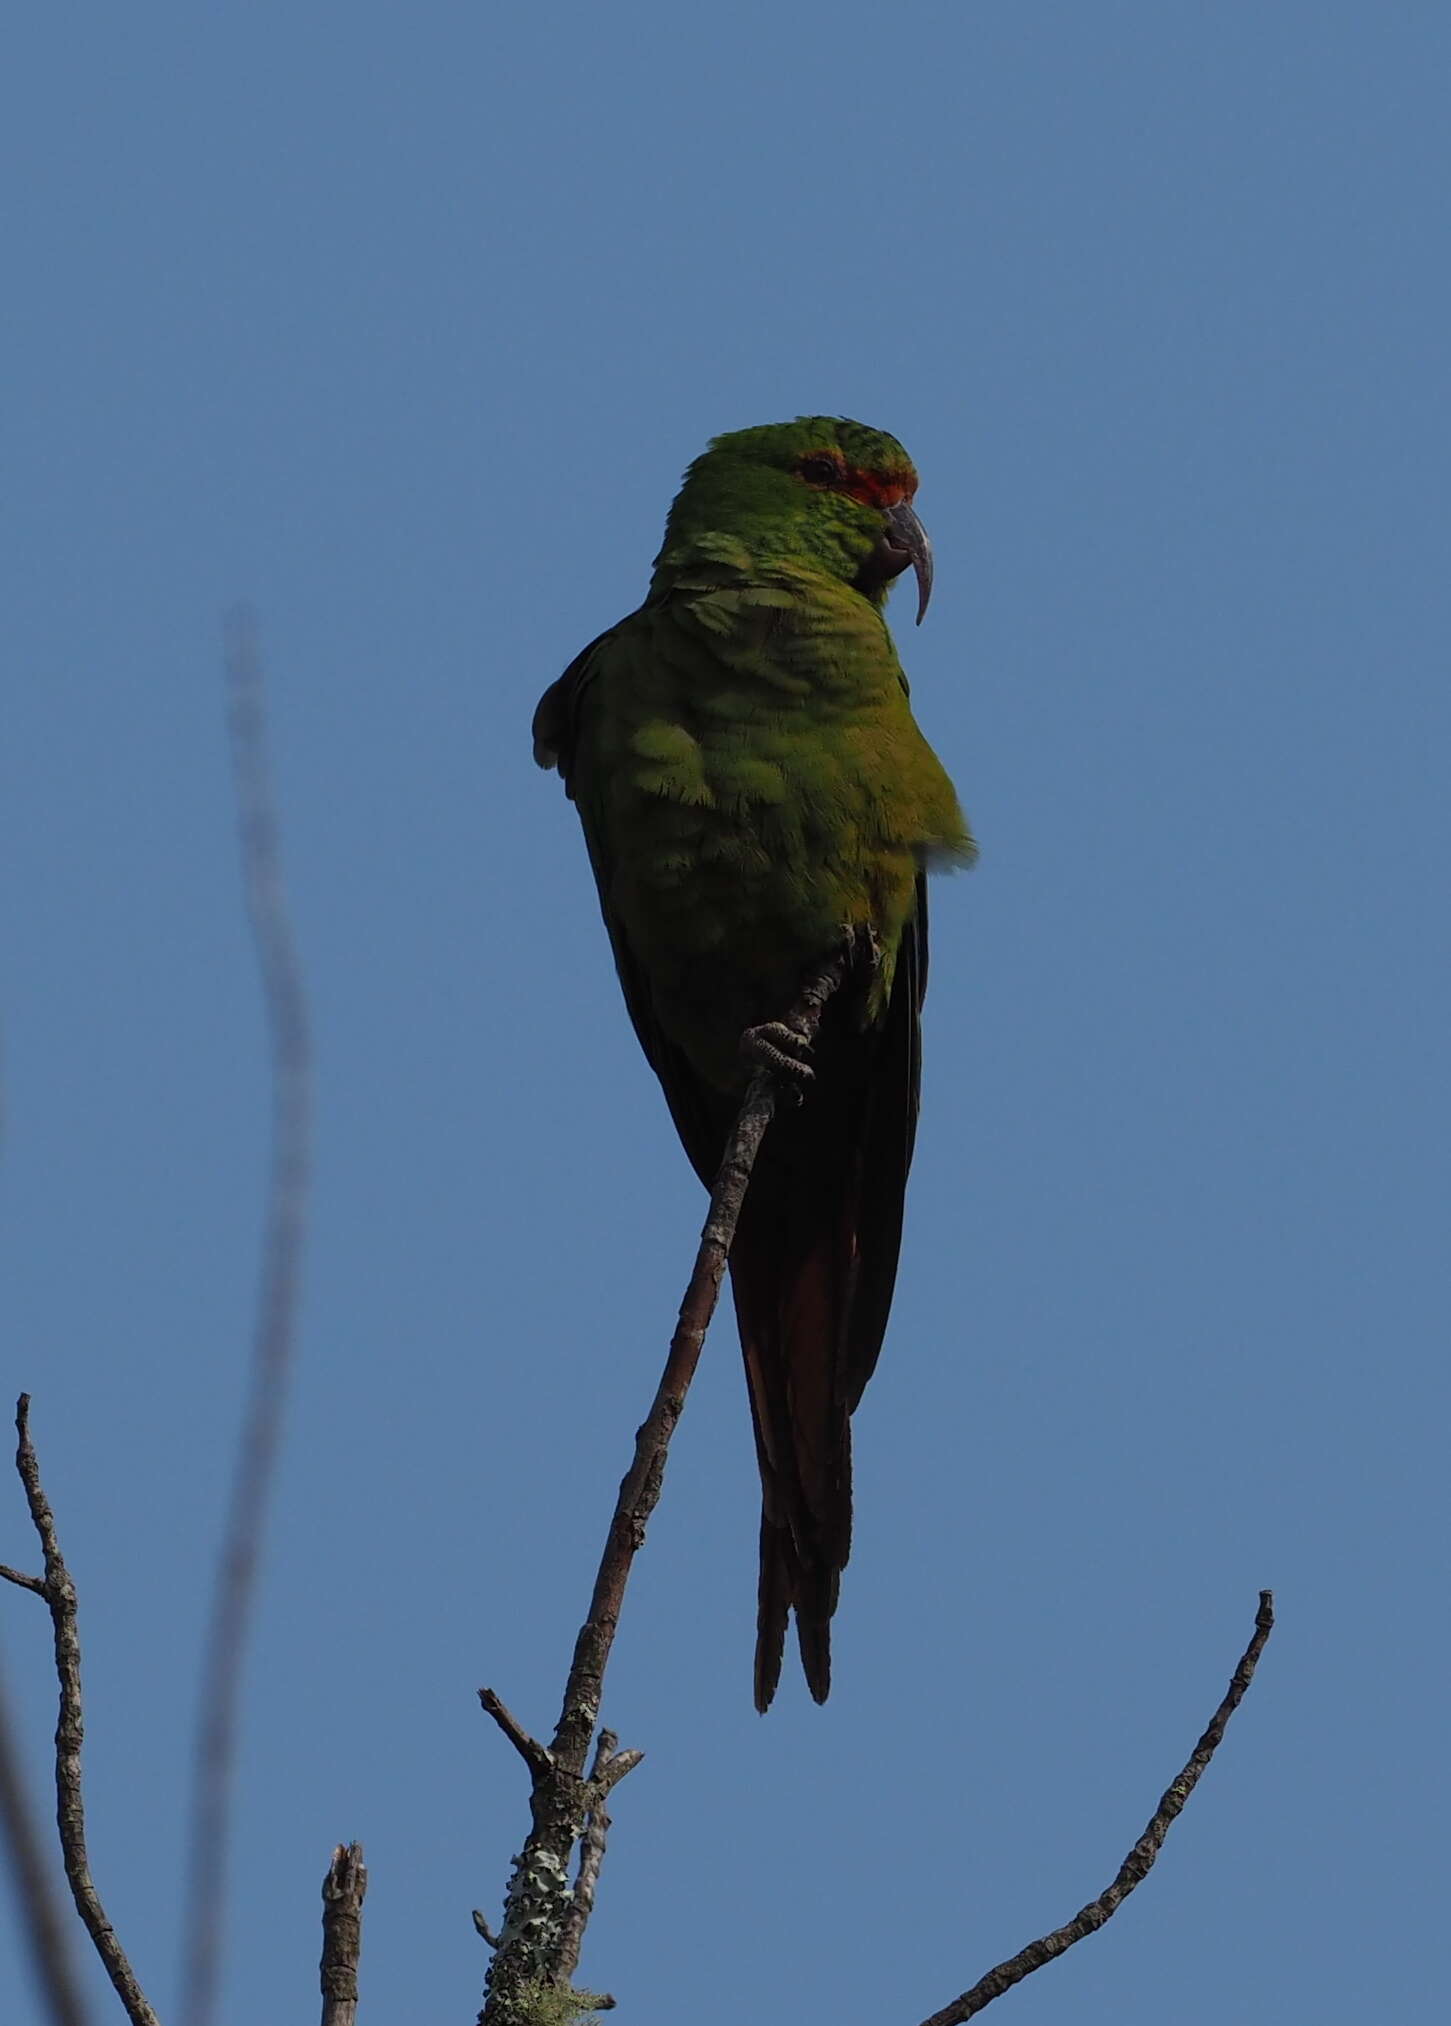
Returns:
<point x="402" y="322"/>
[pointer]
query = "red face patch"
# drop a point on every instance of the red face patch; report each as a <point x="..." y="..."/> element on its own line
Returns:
<point x="829" y="471"/>
<point x="880" y="488"/>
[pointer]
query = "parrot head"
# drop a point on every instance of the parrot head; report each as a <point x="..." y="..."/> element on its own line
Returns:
<point x="819" y="489"/>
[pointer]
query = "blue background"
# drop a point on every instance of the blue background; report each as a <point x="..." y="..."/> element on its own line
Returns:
<point x="402" y="321"/>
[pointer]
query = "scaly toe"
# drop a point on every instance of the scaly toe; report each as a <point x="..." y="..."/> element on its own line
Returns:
<point x="775" y="1046"/>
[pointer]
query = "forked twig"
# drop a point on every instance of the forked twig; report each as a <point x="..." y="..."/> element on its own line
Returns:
<point x="1136" y="1866"/>
<point x="275" y="1329"/>
<point x="544" y="1916"/>
<point x="59" y="1591"/>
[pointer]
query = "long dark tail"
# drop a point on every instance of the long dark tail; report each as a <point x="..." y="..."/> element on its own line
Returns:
<point x="788" y="1288"/>
<point x="812" y="1272"/>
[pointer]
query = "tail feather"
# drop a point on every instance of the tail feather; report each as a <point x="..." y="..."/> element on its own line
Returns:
<point x="813" y="1637"/>
<point x="787" y="1586"/>
<point x="812" y="1268"/>
<point x="773" y="1610"/>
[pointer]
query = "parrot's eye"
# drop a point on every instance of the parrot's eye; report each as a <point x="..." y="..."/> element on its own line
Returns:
<point x="821" y="469"/>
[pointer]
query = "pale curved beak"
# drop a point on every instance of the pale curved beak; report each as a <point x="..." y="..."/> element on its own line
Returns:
<point x="906" y="532"/>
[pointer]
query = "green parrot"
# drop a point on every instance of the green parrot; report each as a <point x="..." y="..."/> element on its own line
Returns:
<point x="754" y="791"/>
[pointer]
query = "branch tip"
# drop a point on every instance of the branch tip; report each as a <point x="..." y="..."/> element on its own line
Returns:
<point x="344" y="1886"/>
<point x="536" y="1757"/>
<point x="1136" y="1866"/>
<point x="614" y="1770"/>
<point x="59" y="1592"/>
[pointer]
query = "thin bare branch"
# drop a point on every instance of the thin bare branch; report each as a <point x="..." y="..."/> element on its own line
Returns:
<point x="540" y="1910"/>
<point x="342" y="1934"/>
<point x="1139" y="1861"/>
<point x="21" y="1581"/>
<point x="274" y="1336"/>
<point x="615" y="1771"/>
<point x="38" y="1903"/>
<point x="59" y="1592"/>
<point x="641" y="1486"/>
<point x="535" y="1756"/>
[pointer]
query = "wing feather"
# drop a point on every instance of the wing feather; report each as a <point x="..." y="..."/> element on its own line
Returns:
<point x="699" y="1115"/>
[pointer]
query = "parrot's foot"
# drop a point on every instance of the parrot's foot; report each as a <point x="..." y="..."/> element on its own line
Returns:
<point x="864" y="954"/>
<point x="775" y="1046"/>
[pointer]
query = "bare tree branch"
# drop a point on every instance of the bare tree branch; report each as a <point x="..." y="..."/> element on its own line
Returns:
<point x="591" y="1857"/>
<point x="640" y="1488"/>
<point x="536" y="1757"/>
<point x="342" y="1934"/>
<point x="38" y="1903"/>
<point x="59" y="1592"/>
<point x="21" y="1581"/>
<point x="542" y="1917"/>
<point x="285" y="1006"/>
<point x="1136" y="1865"/>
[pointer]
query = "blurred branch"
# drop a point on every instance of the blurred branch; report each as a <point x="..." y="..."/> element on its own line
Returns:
<point x="544" y="1917"/>
<point x="59" y="1592"/>
<point x="1136" y="1866"/>
<point x="37" y="1901"/>
<point x="342" y="1934"/>
<point x="285" y="1006"/>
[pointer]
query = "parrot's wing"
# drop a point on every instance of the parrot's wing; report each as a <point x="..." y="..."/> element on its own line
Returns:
<point x="702" y="1118"/>
<point x="556" y="717"/>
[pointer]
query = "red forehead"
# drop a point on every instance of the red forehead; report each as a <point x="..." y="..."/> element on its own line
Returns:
<point x="880" y="488"/>
<point x="886" y="487"/>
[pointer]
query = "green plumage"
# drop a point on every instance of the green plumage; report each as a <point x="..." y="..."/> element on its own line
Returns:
<point x="751" y="783"/>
